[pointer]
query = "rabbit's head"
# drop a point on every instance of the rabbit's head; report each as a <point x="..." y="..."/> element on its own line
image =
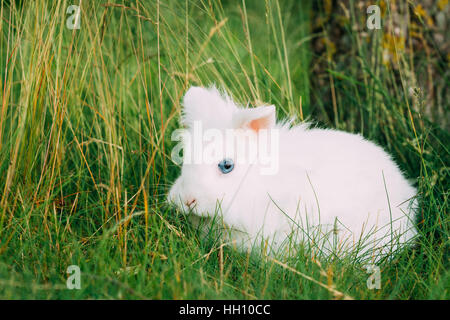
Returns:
<point x="223" y="151"/>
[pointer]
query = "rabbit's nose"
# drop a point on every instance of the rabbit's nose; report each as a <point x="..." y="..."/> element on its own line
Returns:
<point x="190" y="203"/>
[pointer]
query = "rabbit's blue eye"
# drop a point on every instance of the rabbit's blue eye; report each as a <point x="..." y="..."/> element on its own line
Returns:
<point x="226" y="165"/>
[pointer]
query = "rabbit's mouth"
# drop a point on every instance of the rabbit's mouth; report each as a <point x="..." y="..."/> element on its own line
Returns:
<point x="186" y="207"/>
<point x="190" y="203"/>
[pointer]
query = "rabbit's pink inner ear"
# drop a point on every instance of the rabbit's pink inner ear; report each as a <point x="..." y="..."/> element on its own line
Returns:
<point x="263" y="118"/>
<point x="260" y="123"/>
<point x="255" y="118"/>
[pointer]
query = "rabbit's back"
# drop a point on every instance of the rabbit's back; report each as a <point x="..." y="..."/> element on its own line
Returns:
<point x="347" y="183"/>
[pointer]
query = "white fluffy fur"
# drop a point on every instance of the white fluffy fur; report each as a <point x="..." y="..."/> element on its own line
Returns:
<point x="334" y="190"/>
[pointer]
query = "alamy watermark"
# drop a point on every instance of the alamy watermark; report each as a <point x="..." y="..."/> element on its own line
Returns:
<point x="374" y="280"/>
<point x="74" y="20"/>
<point x="374" y="20"/>
<point x="74" y="280"/>
<point x="208" y="146"/>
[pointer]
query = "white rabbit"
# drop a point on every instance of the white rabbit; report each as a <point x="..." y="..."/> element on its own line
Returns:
<point x="330" y="190"/>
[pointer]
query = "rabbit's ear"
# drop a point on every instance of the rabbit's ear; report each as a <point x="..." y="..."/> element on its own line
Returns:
<point x="207" y="105"/>
<point x="255" y="118"/>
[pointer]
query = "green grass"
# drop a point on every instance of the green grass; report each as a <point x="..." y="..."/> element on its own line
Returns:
<point x="85" y="123"/>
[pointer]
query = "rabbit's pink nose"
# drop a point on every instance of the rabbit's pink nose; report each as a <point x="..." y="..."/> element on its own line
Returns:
<point x="190" y="202"/>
